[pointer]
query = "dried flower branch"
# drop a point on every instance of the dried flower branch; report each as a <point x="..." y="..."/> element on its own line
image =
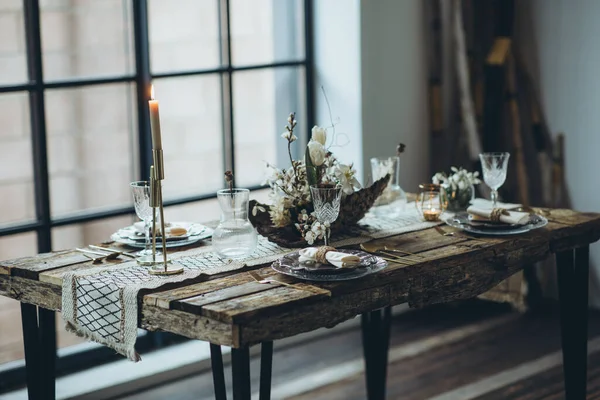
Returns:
<point x="229" y="180"/>
<point x="400" y="149"/>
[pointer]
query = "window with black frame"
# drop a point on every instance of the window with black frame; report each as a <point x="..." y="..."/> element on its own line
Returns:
<point x="74" y="126"/>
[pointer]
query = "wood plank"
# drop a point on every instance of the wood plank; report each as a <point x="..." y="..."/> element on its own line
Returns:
<point x="257" y="305"/>
<point x="163" y="299"/>
<point x="54" y="276"/>
<point x="195" y="304"/>
<point x="33" y="292"/>
<point x="310" y="316"/>
<point x="188" y="325"/>
<point x="30" y="267"/>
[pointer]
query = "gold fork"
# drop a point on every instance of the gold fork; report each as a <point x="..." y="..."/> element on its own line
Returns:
<point x="260" y="279"/>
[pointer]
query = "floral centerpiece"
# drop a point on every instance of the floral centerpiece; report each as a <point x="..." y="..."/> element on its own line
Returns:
<point x="458" y="186"/>
<point x="289" y="220"/>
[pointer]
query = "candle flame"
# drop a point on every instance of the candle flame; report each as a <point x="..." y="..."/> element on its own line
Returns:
<point x="151" y="92"/>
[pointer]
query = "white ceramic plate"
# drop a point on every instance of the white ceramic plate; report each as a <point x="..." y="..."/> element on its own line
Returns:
<point x="130" y="235"/>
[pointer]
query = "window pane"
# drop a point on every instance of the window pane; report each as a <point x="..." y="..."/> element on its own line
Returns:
<point x="206" y="211"/>
<point x="87" y="38"/>
<point x="16" y="165"/>
<point x="265" y="31"/>
<point x="190" y="117"/>
<point x="11" y="338"/>
<point x="13" y="62"/>
<point x="92" y="151"/>
<point x="202" y="211"/>
<point x="258" y="125"/>
<point x="184" y="35"/>
<point x="95" y="232"/>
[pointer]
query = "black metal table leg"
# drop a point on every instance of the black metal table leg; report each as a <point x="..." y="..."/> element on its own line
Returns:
<point x="31" y="346"/>
<point x="39" y="340"/>
<point x="216" y="360"/>
<point x="266" y="368"/>
<point x="572" y="272"/>
<point x="240" y="363"/>
<point x="47" y="338"/>
<point x="376" y="333"/>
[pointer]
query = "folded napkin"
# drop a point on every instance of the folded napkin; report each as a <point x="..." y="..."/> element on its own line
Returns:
<point x="335" y="258"/>
<point x="508" y="217"/>
<point x="484" y="203"/>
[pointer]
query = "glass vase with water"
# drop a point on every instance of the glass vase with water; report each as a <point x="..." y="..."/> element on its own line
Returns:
<point x="393" y="199"/>
<point x="235" y="236"/>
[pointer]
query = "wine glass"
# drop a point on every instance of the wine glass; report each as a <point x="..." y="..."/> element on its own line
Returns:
<point x="494" y="166"/>
<point x="326" y="201"/>
<point x="141" y="202"/>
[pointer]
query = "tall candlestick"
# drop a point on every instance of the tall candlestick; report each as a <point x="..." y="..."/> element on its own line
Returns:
<point x="154" y="121"/>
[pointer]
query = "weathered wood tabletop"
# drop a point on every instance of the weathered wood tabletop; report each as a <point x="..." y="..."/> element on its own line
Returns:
<point x="235" y="310"/>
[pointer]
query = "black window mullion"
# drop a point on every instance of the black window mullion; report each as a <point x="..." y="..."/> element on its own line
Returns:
<point x="38" y="123"/>
<point x="309" y="64"/>
<point x="143" y="81"/>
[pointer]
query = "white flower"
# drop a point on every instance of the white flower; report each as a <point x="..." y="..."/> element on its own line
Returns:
<point x="310" y="237"/>
<point x="319" y="134"/>
<point x="290" y="137"/>
<point x="318" y="229"/>
<point x="439" y="178"/>
<point x="346" y="177"/>
<point x="256" y="209"/>
<point x="303" y="216"/>
<point x="317" y="153"/>
<point x="462" y="185"/>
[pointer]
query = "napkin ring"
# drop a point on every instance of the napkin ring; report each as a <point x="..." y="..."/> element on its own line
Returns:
<point x="497" y="213"/>
<point x="320" y="254"/>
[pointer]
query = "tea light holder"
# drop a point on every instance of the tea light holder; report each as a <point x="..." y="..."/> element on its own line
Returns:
<point x="430" y="202"/>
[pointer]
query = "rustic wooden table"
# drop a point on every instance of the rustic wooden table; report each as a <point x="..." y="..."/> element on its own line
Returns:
<point x="235" y="310"/>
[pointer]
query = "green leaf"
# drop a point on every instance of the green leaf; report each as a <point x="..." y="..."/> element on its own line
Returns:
<point x="311" y="170"/>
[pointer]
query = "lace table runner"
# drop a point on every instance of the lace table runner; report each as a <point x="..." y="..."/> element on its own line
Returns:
<point x="101" y="304"/>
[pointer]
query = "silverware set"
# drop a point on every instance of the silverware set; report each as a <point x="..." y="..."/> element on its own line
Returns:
<point x="102" y="253"/>
<point x="391" y="254"/>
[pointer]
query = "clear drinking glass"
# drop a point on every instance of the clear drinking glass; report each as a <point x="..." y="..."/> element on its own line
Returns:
<point x="235" y="236"/>
<point x="326" y="201"/>
<point x="494" y="166"/>
<point x="393" y="199"/>
<point x="141" y="202"/>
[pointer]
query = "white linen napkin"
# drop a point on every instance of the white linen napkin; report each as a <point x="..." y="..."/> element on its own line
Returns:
<point x="513" y="217"/>
<point x="488" y="204"/>
<point x="335" y="258"/>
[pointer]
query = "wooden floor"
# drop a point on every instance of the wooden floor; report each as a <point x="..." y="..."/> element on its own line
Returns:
<point x="473" y="351"/>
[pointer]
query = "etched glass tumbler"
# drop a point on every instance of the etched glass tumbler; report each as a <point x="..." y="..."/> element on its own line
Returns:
<point x="235" y="236"/>
<point x="141" y="202"/>
<point x="326" y="202"/>
<point x="494" y="166"/>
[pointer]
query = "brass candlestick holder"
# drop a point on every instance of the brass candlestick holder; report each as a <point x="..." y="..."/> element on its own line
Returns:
<point x="162" y="266"/>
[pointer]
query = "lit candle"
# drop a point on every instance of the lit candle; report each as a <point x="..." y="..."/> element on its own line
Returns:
<point x="154" y="121"/>
<point x="431" y="214"/>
